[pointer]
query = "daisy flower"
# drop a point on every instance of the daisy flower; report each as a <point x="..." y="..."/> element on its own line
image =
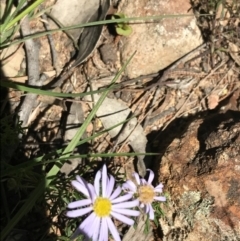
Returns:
<point x="102" y="203"/>
<point x="145" y="192"/>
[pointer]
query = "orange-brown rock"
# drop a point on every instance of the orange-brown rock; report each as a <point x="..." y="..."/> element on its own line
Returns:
<point x="201" y="173"/>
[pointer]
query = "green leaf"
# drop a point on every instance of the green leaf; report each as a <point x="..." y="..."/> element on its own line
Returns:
<point x="126" y="30"/>
<point x="122" y="28"/>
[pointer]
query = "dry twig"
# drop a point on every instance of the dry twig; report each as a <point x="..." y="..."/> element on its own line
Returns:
<point x="32" y="51"/>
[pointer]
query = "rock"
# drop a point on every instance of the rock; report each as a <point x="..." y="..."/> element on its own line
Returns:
<point x="201" y="173"/>
<point x="113" y="112"/>
<point x="108" y="53"/>
<point x="11" y="68"/>
<point x="161" y="43"/>
<point x="73" y="12"/>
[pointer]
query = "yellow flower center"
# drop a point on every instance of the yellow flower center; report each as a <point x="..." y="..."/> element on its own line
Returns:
<point x="102" y="207"/>
<point x="146" y="194"/>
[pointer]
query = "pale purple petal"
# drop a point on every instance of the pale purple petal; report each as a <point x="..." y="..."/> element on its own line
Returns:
<point x="81" y="180"/>
<point x="80" y="229"/>
<point x="151" y="212"/>
<point x="78" y="212"/>
<point x="97" y="183"/>
<point x="137" y="178"/>
<point x="81" y="188"/>
<point x="95" y="228"/>
<point x="141" y="205"/>
<point x="158" y="190"/>
<point x="104" y="180"/>
<point x="80" y="203"/>
<point x="124" y="205"/>
<point x="103" y="230"/>
<point x="128" y="212"/>
<point x="130" y="185"/>
<point x="122" y="218"/>
<point x="110" y="186"/>
<point x="143" y="182"/>
<point x="160" y="198"/>
<point x="92" y="193"/>
<point x="87" y="221"/>
<point x="151" y="176"/>
<point x="160" y="187"/>
<point x="116" y="193"/>
<point x="89" y="229"/>
<point x="113" y="230"/>
<point x="122" y="198"/>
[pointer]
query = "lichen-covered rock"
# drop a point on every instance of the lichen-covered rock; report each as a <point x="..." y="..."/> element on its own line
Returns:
<point x="201" y="172"/>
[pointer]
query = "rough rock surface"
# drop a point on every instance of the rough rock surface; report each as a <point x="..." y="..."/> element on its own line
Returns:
<point x="201" y="173"/>
<point x="161" y="43"/>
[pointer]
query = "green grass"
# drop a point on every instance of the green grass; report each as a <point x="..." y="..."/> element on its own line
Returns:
<point x="52" y="173"/>
<point x="34" y="187"/>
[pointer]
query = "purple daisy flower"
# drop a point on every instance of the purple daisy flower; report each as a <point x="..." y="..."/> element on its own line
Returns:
<point x="103" y="203"/>
<point x="145" y="192"/>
